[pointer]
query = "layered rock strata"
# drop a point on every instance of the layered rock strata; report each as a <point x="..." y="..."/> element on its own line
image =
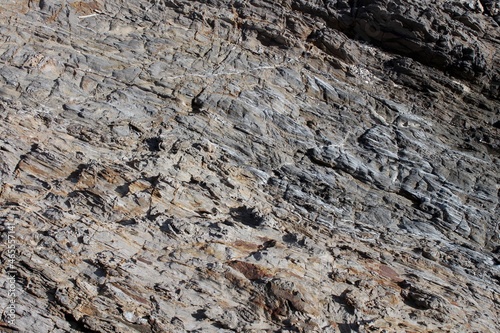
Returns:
<point x="250" y="166"/>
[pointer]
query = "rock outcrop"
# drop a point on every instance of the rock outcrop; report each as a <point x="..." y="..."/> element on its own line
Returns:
<point x="250" y="166"/>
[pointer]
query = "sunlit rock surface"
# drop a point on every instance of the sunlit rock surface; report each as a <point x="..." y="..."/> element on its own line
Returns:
<point x="251" y="166"/>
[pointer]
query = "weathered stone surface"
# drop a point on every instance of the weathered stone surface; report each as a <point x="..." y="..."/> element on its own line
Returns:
<point x="250" y="166"/>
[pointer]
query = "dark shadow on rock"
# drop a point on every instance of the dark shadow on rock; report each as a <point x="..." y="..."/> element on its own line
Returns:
<point x="347" y="328"/>
<point x="77" y="325"/>
<point x="290" y="238"/>
<point x="127" y="222"/>
<point x="122" y="189"/>
<point x="153" y="144"/>
<point x="199" y="314"/>
<point x="99" y="272"/>
<point x="247" y="216"/>
<point x="169" y="227"/>
<point x="75" y="175"/>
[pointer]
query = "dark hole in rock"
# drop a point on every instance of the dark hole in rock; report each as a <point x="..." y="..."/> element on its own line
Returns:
<point x="153" y="144"/>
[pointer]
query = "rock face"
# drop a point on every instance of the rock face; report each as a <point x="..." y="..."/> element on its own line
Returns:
<point x="250" y="166"/>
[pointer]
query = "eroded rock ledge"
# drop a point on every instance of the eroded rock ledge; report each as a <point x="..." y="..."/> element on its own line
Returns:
<point x="251" y="166"/>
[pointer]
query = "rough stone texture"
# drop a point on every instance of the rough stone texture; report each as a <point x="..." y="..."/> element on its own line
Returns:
<point x="251" y="166"/>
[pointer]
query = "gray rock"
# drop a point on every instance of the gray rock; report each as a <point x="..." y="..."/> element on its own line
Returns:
<point x="247" y="166"/>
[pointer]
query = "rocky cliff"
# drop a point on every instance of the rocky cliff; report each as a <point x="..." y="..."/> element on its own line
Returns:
<point x="250" y="166"/>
